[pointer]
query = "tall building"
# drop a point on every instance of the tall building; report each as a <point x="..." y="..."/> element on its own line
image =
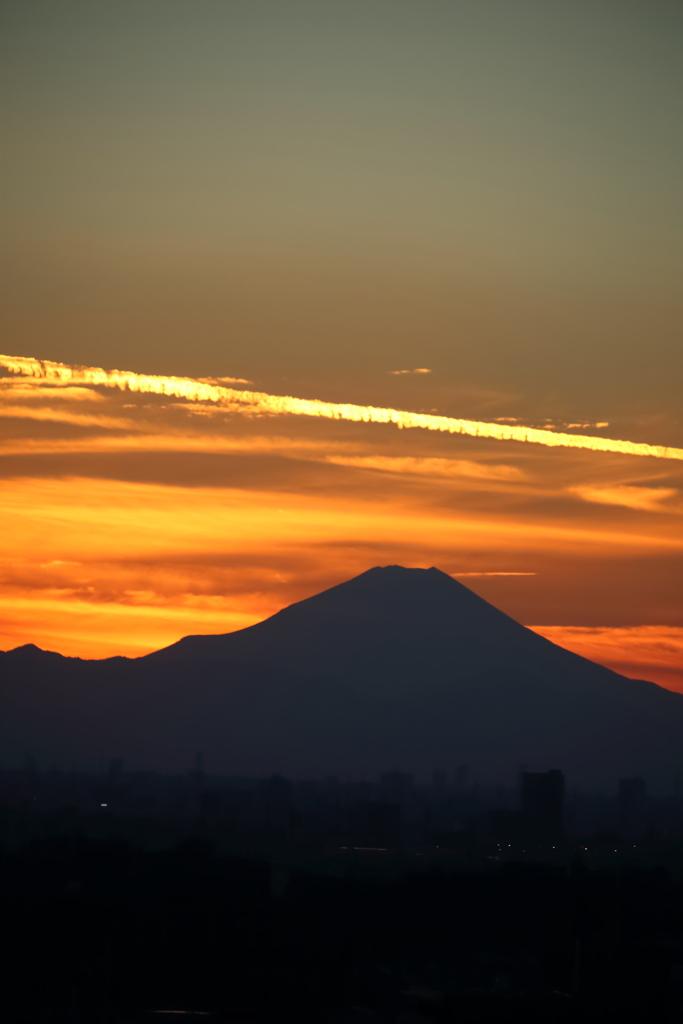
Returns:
<point x="543" y="805"/>
<point x="396" y="786"/>
<point x="632" y="804"/>
<point x="439" y="785"/>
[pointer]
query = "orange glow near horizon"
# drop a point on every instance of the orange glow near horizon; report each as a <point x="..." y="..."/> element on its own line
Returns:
<point x="95" y="568"/>
<point x="654" y="653"/>
<point x="83" y="629"/>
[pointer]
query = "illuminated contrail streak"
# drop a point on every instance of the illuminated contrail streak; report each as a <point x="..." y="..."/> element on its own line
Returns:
<point x="254" y="403"/>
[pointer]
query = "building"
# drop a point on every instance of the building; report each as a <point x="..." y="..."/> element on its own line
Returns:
<point x="539" y="822"/>
<point x="543" y="805"/>
<point x="632" y="805"/>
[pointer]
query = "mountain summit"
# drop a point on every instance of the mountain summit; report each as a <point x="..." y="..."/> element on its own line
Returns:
<point x="403" y="667"/>
<point x="420" y="623"/>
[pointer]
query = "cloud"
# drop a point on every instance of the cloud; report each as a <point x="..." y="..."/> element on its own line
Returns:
<point x="253" y="403"/>
<point x="457" y="575"/>
<point x="20" y="389"/>
<point x="225" y="380"/>
<point x="647" y="499"/>
<point x="66" y="416"/>
<point x="430" y="466"/>
<point x="549" y="425"/>
<point x="172" y="440"/>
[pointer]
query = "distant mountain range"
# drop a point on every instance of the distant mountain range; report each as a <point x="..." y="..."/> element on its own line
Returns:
<point x="398" y="667"/>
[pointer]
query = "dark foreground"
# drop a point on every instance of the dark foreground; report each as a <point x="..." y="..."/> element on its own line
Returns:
<point x="104" y="931"/>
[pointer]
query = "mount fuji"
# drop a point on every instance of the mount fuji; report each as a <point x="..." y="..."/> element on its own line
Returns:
<point x="396" y="667"/>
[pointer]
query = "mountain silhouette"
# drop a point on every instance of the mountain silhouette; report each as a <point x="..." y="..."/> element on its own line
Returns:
<point x="387" y="629"/>
<point x="396" y="667"/>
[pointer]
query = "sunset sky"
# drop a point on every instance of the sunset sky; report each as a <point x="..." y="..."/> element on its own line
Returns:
<point x="462" y="210"/>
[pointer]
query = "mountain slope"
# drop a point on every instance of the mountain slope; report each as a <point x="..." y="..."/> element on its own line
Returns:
<point x="389" y="630"/>
<point x="401" y="667"/>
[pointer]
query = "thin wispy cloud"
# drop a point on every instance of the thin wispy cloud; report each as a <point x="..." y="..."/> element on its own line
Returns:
<point x="41" y="390"/>
<point x="647" y="499"/>
<point x="226" y="380"/>
<point x="430" y="466"/>
<point x="168" y="441"/>
<point x="459" y="575"/>
<point x="66" y="416"/>
<point x="253" y="403"/>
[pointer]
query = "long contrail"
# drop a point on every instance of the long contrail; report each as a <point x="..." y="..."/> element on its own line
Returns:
<point x="257" y="403"/>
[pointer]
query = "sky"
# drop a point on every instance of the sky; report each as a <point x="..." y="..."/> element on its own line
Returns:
<point x="468" y="211"/>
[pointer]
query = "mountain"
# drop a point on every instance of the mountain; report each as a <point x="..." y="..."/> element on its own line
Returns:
<point x="397" y="667"/>
<point x="390" y="630"/>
